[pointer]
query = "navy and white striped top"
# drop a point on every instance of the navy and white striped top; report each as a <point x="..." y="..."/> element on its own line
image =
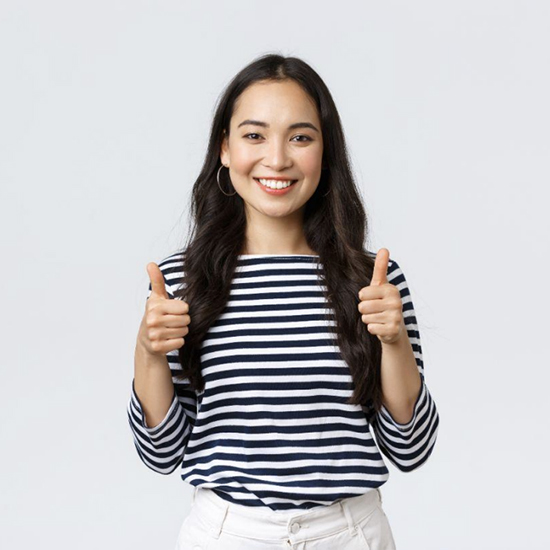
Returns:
<point x="272" y="427"/>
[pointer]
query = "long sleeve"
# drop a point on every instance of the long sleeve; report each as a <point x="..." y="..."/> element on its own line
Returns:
<point x="161" y="448"/>
<point x="409" y="445"/>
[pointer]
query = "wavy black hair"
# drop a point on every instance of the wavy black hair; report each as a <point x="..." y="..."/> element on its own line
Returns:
<point x="335" y="227"/>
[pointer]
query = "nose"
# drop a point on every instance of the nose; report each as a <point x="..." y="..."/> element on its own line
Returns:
<point x="277" y="155"/>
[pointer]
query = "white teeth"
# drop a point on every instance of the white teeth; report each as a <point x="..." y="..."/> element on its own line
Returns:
<point x="275" y="184"/>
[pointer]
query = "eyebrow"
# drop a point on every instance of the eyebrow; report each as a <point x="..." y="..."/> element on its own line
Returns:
<point x="266" y="125"/>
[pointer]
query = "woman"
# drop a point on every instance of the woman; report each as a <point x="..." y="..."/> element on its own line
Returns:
<point x="301" y="340"/>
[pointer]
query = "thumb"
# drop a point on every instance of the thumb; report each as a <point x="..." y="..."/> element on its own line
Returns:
<point x="379" y="274"/>
<point x="158" y="286"/>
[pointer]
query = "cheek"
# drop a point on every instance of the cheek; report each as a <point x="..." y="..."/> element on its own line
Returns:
<point x="243" y="159"/>
<point x="310" y="163"/>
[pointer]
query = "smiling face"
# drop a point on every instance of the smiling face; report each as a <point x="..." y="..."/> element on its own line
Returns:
<point x="275" y="132"/>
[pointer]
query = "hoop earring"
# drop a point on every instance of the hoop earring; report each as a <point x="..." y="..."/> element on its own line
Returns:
<point x="218" y="179"/>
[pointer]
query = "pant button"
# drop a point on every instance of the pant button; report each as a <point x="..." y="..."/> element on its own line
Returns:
<point x="295" y="527"/>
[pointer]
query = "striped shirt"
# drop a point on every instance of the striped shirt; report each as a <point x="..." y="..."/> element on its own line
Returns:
<point x="271" y="427"/>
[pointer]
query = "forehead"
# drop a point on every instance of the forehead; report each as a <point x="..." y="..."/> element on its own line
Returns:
<point x="275" y="102"/>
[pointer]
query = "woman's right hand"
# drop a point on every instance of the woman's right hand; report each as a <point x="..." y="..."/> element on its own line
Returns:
<point x="165" y="322"/>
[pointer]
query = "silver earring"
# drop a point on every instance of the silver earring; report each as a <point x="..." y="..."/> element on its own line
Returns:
<point x="218" y="179"/>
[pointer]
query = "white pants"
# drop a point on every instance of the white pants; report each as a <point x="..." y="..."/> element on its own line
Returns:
<point x="355" y="523"/>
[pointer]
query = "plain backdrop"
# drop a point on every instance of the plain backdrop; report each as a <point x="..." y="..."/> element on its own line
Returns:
<point x="105" y="109"/>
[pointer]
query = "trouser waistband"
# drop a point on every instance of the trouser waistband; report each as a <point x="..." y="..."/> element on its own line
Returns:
<point x="294" y="525"/>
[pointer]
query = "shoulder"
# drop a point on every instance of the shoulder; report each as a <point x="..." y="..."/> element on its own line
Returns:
<point x="172" y="268"/>
<point x="172" y="260"/>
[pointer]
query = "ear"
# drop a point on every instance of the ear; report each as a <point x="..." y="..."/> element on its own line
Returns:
<point x="224" y="153"/>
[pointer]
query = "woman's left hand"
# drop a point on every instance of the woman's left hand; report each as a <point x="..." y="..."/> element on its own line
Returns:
<point x="381" y="307"/>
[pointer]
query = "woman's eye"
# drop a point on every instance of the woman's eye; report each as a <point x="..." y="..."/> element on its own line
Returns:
<point x="307" y="138"/>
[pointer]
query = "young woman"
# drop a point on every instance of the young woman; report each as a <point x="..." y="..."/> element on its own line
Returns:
<point x="273" y="341"/>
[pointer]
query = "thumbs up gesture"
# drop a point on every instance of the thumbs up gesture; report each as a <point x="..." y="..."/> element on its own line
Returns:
<point x="165" y="322"/>
<point x="380" y="305"/>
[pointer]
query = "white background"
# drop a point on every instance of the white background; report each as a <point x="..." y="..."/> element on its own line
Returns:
<point x="105" y="109"/>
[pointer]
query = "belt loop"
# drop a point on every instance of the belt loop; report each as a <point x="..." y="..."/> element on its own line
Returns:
<point x="380" y="495"/>
<point x="347" y="513"/>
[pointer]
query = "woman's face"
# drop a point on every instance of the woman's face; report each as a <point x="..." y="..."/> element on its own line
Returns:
<point x="275" y="131"/>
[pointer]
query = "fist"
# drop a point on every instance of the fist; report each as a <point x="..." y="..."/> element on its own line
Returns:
<point x="380" y="303"/>
<point x="165" y="322"/>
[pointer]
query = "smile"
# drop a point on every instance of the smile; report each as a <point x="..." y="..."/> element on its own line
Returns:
<point x="275" y="184"/>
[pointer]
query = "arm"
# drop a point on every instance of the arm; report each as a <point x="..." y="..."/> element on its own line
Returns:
<point x="161" y="409"/>
<point x="407" y="444"/>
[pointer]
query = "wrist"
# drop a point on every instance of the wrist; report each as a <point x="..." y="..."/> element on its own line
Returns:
<point x="144" y="358"/>
<point x="401" y="340"/>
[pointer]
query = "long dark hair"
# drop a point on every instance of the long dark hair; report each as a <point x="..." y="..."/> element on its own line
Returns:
<point x="335" y="227"/>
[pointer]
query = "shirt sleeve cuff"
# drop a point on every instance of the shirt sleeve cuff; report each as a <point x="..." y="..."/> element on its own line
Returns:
<point x="157" y="430"/>
<point x="417" y="405"/>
